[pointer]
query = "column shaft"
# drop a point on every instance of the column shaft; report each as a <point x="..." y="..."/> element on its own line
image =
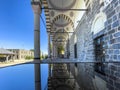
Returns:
<point x="37" y="36"/>
<point x="49" y="48"/>
<point x="37" y="67"/>
<point x="52" y="49"/>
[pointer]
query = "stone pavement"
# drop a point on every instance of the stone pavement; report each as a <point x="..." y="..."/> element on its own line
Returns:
<point x="13" y="63"/>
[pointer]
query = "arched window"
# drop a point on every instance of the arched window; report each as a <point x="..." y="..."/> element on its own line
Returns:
<point x="98" y="23"/>
<point x="75" y="46"/>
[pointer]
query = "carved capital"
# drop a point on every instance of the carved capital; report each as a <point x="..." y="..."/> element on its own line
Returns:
<point x="36" y="8"/>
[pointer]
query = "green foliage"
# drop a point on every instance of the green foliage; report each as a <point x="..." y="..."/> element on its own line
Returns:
<point x="28" y="57"/>
<point x="32" y="50"/>
<point x="2" y="56"/>
<point x="46" y="56"/>
<point x="51" y="47"/>
<point x="60" y="49"/>
<point x="43" y="56"/>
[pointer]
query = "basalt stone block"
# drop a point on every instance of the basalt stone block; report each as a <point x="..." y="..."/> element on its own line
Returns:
<point x="112" y="31"/>
<point x="116" y="89"/>
<point x="111" y="36"/>
<point x="114" y="68"/>
<point x="112" y="41"/>
<point x="110" y="87"/>
<point x="106" y="37"/>
<point x="111" y="82"/>
<point x="117" y="84"/>
<point x="110" y="51"/>
<point x="108" y="10"/>
<point x="116" y="46"/>
<point x="115" y="57"/>
<point x="115" y="24"/>
<point x="119" y="57"/>
<point x="106" y="23"/>
<point x="118" y="9"/>
<point x="109" y="21"/>
<point x="114" y="1"/>
<point x="107" y="72"/>
<point x="116" y="4"/>
<point x="117" y="74"/>
<point x="119" y="28"/>
<point x="112" y="77"/>
<point x="117" y="64"/>
<point x="111" y="14"/>
<point x="109" y="27"/>
<point x="117" y="39"/>
<point x="117" y="34"/>
<point x="116" y="52"/>
<point x="114" y="18"/>
<point x="107" y="56"/>
<point x="119" y="15"/>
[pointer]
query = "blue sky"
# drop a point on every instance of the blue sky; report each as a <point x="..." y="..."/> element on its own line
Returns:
<point x="17" y="25"/>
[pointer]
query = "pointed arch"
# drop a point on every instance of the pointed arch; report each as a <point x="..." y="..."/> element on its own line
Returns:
<point x="98" y="22"/>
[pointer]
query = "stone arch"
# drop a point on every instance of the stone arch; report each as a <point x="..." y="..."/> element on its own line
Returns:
<point x="60" y="5"/>
<point x="67" y="18"/>
<point x="61" y="32"/>
<point x="81" y="4"/>
<point x="98" y="22"/>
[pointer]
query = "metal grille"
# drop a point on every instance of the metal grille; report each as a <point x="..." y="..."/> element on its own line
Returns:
<point x="99" y="55"/>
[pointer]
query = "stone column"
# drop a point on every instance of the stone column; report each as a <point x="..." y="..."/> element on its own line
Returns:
<point x="49" y="72"/>
<point x="65" y="55"/>
<point x="68" y="47"/>
<point x="36" y="9"/>
<point x="54" y="52"/>
<point x="13" y="57"/>
<point x="7" y="56"/>
<point x="52" y="49"/>
<point x="37" y="69"/>
<point x="49" y="56"/>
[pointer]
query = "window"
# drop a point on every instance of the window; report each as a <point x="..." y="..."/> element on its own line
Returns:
<point x="99" y="54"/>
<point x="97" y="26"/>
<point x="75" y="47"/>
<point x="75" y="50"/>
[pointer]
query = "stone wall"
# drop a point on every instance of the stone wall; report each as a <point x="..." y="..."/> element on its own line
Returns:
<point x="72" y="47"/>
<point x="87" y="78"/>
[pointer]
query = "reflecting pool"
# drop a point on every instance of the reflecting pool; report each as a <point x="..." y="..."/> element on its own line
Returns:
<point x="21" y="77"/>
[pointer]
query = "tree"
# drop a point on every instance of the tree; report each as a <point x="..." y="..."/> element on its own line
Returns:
<point x="60" y="49"/>
<point x="28" y="57"/>
<point x="32" y="50"/>
<point x="46" y="56"/>
<point x="42" y="55"/>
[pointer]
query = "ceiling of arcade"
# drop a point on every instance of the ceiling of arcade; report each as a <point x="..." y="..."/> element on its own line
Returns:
<point x="62" y="17"/>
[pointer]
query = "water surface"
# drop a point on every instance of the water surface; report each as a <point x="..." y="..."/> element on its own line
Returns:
<point x="21" y="77"/>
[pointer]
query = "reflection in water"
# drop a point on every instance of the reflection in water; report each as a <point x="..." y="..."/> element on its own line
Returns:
<point x="37" y="69"/>
<point x="78" y="76"/>
<point x="41" y="76"/>
<point x="61" y="78"/>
